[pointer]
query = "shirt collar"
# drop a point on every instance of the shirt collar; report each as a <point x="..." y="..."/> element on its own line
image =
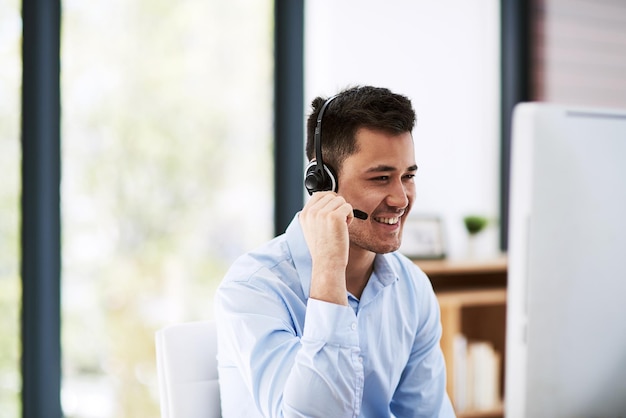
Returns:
<point x="382" y="276"/>
<point x="384" y="269"/>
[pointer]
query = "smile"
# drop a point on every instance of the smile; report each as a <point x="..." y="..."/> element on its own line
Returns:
<point x="388" y="221"/>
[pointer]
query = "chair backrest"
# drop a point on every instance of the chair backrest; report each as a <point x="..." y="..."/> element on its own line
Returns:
<point x="187" y="370"/>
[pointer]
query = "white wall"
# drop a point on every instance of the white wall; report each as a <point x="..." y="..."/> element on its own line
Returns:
<point x="443" y="55"/>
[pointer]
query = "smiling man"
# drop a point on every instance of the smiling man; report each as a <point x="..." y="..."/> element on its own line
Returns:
<point x="328" y="319"/>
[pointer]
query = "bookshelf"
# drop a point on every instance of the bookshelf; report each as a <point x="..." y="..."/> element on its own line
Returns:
<point x="472" y="297"/>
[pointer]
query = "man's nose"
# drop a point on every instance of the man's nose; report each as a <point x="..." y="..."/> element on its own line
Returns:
<point x="398" y="195"/>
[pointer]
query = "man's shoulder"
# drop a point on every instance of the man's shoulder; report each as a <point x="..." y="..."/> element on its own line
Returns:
<point x="268" y="257"/>
<point x="268" y="272"/>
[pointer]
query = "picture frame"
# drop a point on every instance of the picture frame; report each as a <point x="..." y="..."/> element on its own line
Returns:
<point x="422" y="238"/>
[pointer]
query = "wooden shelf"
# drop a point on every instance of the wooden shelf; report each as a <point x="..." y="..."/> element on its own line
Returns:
<point x="490" y="413"/>
<point x="463" y="266"/>
<point x="465" y="274"/>
<point x="472" y="298"/>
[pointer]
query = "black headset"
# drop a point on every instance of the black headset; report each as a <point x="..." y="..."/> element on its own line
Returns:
<point x="318" y="176"/>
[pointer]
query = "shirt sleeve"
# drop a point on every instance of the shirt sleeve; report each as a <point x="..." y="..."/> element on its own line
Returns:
<point x="327" y="377"/>
<point x="289" y="374"/>
<point x="422" y="388"/>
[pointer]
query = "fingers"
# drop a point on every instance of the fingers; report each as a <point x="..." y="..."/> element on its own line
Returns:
<point x="328" y="206"/>
<point x="324" y="220"/>
<point x="324" y="224"/>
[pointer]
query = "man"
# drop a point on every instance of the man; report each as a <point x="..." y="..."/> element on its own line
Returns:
<point x="328" y="320"/>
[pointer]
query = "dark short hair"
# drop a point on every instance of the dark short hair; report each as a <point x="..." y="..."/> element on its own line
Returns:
<point x="358" y="107"/>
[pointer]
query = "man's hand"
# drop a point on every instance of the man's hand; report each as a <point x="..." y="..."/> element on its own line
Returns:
<point x="324" y="220"/>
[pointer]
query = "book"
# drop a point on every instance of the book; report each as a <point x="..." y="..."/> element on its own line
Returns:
<point x="477" y="367"/>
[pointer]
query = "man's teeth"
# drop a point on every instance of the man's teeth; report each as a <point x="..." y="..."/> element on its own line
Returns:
<point x="388" y="221"/>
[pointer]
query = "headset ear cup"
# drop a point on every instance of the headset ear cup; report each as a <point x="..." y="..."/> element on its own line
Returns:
<point x="312" y="178"/>
<point x="318" y="179"/>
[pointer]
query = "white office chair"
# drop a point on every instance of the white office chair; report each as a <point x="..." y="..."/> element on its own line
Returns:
<point x="187" y="370"/>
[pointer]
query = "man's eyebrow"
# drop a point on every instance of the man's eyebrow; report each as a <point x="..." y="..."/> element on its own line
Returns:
<point x="386" y="168"/>
<point x="380" y="168"/>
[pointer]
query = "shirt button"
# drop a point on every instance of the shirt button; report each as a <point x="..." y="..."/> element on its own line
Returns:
<point x="353" y="326"/>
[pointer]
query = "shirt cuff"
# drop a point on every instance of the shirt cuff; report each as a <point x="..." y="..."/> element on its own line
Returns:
<point x="331" y="323"/>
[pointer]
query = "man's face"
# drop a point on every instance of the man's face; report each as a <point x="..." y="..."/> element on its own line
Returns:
<point x="378" y="179"/>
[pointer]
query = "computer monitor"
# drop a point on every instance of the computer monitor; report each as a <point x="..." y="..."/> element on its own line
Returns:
<point x="566" y="303"/>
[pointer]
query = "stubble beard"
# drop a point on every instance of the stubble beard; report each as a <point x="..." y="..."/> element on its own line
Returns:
<point x="370" y="242"/>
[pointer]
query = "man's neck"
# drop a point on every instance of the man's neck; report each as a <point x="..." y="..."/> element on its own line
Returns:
<point x="358" y="271"/>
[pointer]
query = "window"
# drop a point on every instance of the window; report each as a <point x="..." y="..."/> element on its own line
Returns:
<point x="167" y="147"/>
<point x="10" y="81"/>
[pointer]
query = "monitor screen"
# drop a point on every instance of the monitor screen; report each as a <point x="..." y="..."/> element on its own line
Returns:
<point x="566" y="302"/>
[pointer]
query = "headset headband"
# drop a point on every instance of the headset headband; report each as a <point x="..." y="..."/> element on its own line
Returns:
<point x="318" y="132"/>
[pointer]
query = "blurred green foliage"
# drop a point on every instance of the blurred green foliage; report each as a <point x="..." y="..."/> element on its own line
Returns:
<point x="475" y="223"/>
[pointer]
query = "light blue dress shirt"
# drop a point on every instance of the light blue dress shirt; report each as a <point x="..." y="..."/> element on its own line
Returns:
<point x="281" y="354"/>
